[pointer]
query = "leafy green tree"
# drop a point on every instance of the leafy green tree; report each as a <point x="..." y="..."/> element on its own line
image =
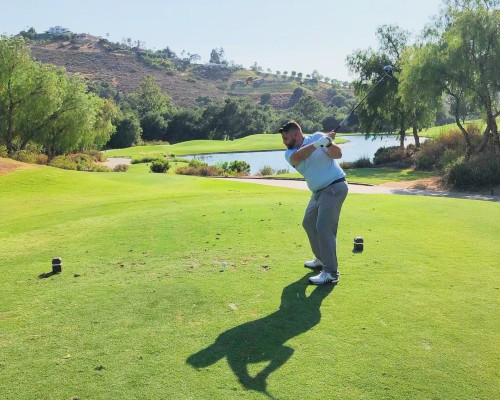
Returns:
<point x="422" y="103"/>
<point x="308" y="108"/>
<point x="265" y="98"/>
<point x="167" y="53"/>
<point x="296" y="96"/>
<point x="384" y="110"/>
<point x="41" y="104"/>
<point x="338" y="100"/>
<point x="329" y="123"/>
<point x="236" y="118"/>
<point x="106" y="112"/>
<point x="104" y="89"/>
<point x="471" y="37"/>
<point x="186" y="124"/>
<point x="153" y="107"/>
<point x="77" y="120"/>
<point x="154" y="127"/>
<point x="18" y="86"/>
<point x="460" y="58"/>
<point x="217" y="56"/>
<point x="29" y="34"/>
<point x="128" y="132"/>
<point x="150" y="98"/>
<point x="316" y="75"/>
<point x="256" y="68"/>
<point x="214" y="57"/>
<point x="33" y="112"/>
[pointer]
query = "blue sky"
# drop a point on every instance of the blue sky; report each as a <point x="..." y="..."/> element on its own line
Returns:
<point x="281" y="35"/>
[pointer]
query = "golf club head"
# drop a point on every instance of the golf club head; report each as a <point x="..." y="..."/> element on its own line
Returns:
<point x="388" y="69"/>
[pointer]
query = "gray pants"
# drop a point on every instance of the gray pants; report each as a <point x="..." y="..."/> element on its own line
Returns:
<point x="321" y="221"/>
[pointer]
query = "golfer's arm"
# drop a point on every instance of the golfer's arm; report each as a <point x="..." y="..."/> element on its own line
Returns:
<point x="302" y="153"/>
<point x="334" y="151"/>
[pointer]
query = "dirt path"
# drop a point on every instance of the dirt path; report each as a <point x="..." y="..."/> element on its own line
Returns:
<point x="366" y="189"/>
<point x="114" y="161"/>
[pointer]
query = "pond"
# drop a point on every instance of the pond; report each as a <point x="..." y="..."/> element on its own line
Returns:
<point x="357" y="146"/>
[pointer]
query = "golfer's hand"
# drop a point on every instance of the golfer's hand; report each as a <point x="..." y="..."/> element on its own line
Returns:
<point x="325" y="141"/>
<point x="332" y="134"/>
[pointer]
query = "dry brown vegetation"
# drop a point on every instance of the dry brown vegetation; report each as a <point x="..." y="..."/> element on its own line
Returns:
<point x="8" y="165"/>
<point x="122" y="70"/>
<point x="125" y="72"/>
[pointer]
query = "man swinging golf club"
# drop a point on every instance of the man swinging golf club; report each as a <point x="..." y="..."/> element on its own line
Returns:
<point x="314" y="157"/>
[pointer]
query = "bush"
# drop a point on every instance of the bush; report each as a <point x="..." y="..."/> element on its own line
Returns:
<point x="347" y="165"/>
<point x="159" y="166"/>
<point x="120" y="168"/>
<point x="266" y="170"/>
<point x="235" y="167"/>
<point x="96" y="155"/>
<point x="3" y="152"/>
<point x="200" y="168"/>
<point x="145" y="158"/>
<point x="98" y="168"/>
<point x="481" y="171"/>
<point x="41" y="159"/>
<point x="439" y="153"/>
<point x="84" y="162"/>
<point x="25" y="156"/>
<point x="78" y="162"/>
<point x="30" y="156"/>
<point x="363" y="162"/>
<point x="206" y="170"/>
<point x="63" y="162"/>
<point x="427" y="157"/>
<point x="448" y="157"/>
<point x="197" y="163"/>
<point x="178" y="159"/>
<point x="390" y="155"/>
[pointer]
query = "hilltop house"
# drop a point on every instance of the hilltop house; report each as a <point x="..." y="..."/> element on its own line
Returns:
<point x="58" y="30"/>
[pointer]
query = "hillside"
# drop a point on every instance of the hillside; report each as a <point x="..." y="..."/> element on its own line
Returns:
<point x="124" y="69"/>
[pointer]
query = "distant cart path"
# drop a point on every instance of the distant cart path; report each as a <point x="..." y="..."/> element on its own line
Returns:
<point x="367" y="189"/>
<point x="114" y="161"/>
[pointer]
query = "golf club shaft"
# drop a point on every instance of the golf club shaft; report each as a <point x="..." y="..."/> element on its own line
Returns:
<point x="363" y="99"/>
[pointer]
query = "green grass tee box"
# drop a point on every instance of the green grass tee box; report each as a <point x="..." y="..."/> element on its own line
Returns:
<point x="144" y="309"/>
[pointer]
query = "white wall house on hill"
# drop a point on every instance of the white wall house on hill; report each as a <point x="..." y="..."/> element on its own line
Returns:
<point x="58" y="30"/>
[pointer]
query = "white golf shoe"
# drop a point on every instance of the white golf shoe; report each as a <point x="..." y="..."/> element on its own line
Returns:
<point x="313" y="264"/>
<point x="323" y="278"/>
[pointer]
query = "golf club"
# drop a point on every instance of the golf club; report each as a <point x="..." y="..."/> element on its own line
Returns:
<point x="387" y="72"/>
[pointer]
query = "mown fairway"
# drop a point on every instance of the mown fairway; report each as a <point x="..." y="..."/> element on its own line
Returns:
<point x="260" y="142"/>
<point x="141" y="301"/>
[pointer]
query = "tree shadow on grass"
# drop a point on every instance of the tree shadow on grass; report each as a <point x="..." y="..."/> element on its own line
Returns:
<point x="263" y="340"/>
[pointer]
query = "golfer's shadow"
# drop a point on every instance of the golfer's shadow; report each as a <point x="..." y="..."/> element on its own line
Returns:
<point x="264" y="339"/>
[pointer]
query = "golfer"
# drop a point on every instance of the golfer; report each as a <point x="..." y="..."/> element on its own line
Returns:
<point x="315" y="158"/>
